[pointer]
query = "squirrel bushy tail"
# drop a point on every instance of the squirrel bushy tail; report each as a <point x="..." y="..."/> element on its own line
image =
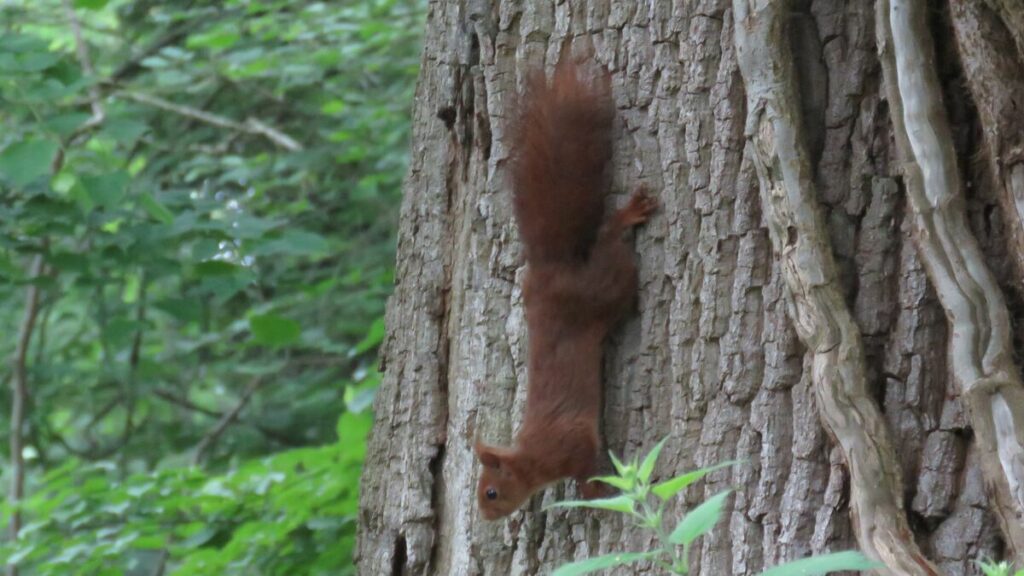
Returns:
<point x="562" y="143"/>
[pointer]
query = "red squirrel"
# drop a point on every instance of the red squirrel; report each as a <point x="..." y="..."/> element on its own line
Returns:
<point x="580" y="281"/>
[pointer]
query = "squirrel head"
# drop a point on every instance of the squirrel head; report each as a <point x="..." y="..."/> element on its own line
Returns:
<point x="502" y="489"/>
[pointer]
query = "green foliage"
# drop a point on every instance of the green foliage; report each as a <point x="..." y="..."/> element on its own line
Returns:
<point x="999" y="569"/>
<point x="214" y="195"/>
<point x="289" y="513"/>
<point x="600" y="563"/>
<point x="672" y="550"/>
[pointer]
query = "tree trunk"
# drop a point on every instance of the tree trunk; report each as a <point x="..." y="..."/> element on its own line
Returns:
<point x="809" y="303"/>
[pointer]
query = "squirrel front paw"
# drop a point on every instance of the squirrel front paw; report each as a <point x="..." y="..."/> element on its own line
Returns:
<point x="639" y="208"/>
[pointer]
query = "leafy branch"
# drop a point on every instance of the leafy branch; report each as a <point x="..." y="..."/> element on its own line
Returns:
<point x="645" y="503"/>
<point x="999" y="569"/>
<point x="251" y="125"/>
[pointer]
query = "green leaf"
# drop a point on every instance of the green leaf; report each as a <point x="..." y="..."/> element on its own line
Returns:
<point x="65" y="124"/>
<point x="205" y="248"/>
<point x="647" y="466"/>
<point x="617" y="481"/>
<point x="124" y="129"/>
<point x="997" y="568"/>
<point x="216" y="268"/>
<point x="373" y="337"/>
<point x="27" y="160"/>
<point x="149" y="542"/>
<point x="333" y="107"/>
<point x="293" y="242"/>
<point x="273" y="330"/>
<point x="218" y="38"/>
<point x="91" y="4"/>
<point x="354" y="427"/>
<point x="601" y="563"/>
<point x="622" y="469"/>
<point x="621" y="503"/>
<point x="246" y="226"/>
<point x="21" y="553"/>
<point x="37" y="61"/>
<point x="994" y="569"/>
<point x="183" y="309"/>
<point x="359" y="398"/>
<point x="155" y="209"/>
<point x="700" y="520"/>
<point x="673" y="486"/>
<point x="849" y="560"/>
<point x="106" y="190"/>
<point x="199" y="538"/>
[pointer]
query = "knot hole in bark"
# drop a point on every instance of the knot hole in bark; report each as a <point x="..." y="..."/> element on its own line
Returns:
<point x="791" y="236"/>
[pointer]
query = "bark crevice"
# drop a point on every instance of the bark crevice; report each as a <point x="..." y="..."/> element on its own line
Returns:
<point x="819" y="312"/>
<point x="981" y="355"/>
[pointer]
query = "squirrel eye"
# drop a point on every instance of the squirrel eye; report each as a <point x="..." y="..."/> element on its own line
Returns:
<point x="492" y="494"/>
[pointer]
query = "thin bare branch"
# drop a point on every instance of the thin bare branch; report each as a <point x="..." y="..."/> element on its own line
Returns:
<point x="184" y="402"/>
<point x="133" y="66"/>
<point x="981" y="353"/>
<point x="211" y="438"/>
<point x="82" y="50"/>
<point x="19" y="393"/>
<point x="269" y="433"/>
<point x="250" y="126"/>
<point x="821" y="317"/>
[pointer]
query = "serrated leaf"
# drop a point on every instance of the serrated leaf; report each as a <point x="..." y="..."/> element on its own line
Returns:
<point x="647" y="466"/>
<point x="700" y="520"/>
<point x="838" y="561"/>
<point x="673" y="486"/>
<point x="273" y="330"/>
<point x="601" y="563"/>
<point x="155" y="209"/>
<point x="27" y="160"/>
<point x="620" y="503"/>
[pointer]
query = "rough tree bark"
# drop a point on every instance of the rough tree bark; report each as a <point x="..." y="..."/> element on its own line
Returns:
<point x="812" y="208"/>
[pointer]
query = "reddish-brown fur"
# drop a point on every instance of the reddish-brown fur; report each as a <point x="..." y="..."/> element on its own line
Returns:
<point x="580" y="281"/>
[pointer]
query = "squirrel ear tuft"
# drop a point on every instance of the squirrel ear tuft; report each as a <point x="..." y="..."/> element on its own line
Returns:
<point x="488" y="455"/>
